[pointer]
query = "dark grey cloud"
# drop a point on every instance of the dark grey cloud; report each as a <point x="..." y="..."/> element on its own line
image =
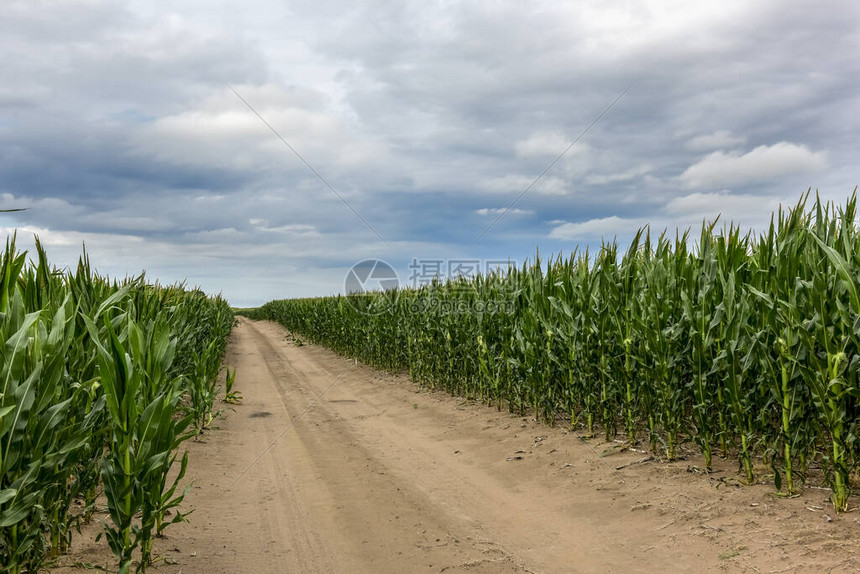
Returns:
<point x="117" y="128"/>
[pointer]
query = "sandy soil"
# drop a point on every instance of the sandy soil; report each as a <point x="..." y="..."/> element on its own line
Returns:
<point x="381" y="476"/>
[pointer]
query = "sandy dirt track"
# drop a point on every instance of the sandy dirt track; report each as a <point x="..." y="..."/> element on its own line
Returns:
<point x="380" y="476"/>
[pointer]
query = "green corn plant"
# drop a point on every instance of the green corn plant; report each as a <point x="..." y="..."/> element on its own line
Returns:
<point x="144" y="434"/>
<point x="733" y="362"/>
<point x="780" y="352"/>
<point x="625" y="331"/>
<point x="610" y="346"/>
<point x="745" y="343"/>
<point x="701" y="317"/>
<point x="585" y="351"/>
<point x="833" y="364"/>
<point x="61" y="434"/>
<point x="41" y="442"/>
<point x="230" y="396"/>
<point x="664" y="341"/>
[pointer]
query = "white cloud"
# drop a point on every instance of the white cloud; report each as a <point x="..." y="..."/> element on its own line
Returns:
<point x="548" y="185"/>
<point x="764" y="163"/>
<point x="502" y="210"/>
<point x="221" y="131"/>
<point x="547" y="144"/>
<point x="749" y="212"/>
<point x="686" y="212"/>
<point x="731" y="206"/>
<point x="295" y="229"/>
<point x="162" y="166"/>
<point x="628" y="175"/>
<point x="605" y="227"/>
<point x="721" y="139"/>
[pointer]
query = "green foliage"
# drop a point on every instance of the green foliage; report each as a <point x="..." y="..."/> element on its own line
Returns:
<point x="98" y="385"/>
<point x="737" y="343"/>
<point x="231" y="396"/>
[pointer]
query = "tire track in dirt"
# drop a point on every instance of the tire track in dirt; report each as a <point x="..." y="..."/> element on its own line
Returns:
<point x="409" y="488"/>
<point x="398" y="526"/>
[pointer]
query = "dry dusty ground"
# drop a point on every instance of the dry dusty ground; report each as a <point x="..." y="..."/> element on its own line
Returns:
<point x="380" y="476"/>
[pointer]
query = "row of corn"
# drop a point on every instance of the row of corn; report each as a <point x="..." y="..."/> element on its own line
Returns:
<point x="100" y="382"/>
<point x="736" y="344"/>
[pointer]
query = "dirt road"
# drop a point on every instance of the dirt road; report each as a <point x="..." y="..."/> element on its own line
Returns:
<point x="380" y="476"/>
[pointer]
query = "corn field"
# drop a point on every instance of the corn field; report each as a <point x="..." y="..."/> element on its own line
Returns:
<point x="736" y="344"/>
<point x="101" y="382"/>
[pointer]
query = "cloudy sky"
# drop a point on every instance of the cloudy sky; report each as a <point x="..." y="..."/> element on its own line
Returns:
<point x="118" y="128"/>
